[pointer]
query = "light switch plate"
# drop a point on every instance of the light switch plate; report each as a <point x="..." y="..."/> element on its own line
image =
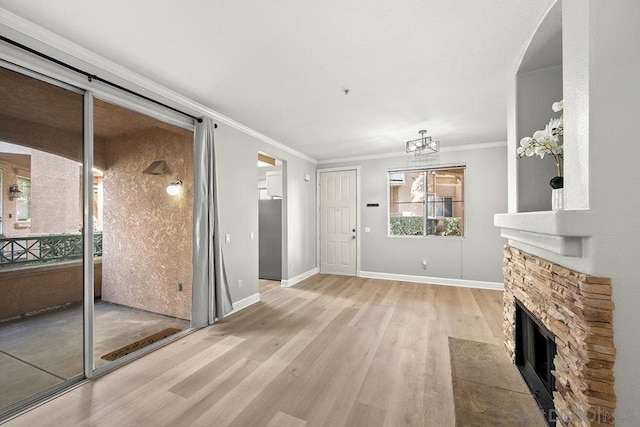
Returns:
<point x="367" y="229"/>
<point x="227" y="238"/>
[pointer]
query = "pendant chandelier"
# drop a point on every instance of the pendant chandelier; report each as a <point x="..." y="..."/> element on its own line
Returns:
<point x="423" y="145"/>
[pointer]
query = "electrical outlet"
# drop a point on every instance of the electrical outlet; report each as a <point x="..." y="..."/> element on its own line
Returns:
<point x="424" y="264"/>
<point x="251" y="235"/>
<point x="239" y="283"/>
<point x="180" y="287"/>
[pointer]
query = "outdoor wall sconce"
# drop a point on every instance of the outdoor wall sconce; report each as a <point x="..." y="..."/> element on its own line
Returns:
<point x="156" y="168"/>
<point x="173" y="189"/>
<point x="14" y="192"/>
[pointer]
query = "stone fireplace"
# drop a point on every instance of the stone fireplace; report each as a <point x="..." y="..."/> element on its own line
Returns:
<point x="577" y="311"/>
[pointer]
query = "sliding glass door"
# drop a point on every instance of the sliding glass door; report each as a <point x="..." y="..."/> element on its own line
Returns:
<point x="96" y="240"/>
<point x="41" y="242"/>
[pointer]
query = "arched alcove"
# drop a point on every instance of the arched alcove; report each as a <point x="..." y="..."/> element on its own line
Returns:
<point x="538" y="84"/>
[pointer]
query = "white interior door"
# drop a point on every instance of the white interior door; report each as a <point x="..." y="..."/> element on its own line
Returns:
<point x="338" y="222"/>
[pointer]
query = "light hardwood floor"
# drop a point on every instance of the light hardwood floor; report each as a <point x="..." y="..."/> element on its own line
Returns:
<point x="330" y="351"/>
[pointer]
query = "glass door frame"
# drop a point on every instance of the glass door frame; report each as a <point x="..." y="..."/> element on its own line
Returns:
<point x="87" y="236"/>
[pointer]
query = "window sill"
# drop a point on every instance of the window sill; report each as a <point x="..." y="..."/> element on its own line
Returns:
<point x="433" y="236"/>
<point x="559" y="232"/>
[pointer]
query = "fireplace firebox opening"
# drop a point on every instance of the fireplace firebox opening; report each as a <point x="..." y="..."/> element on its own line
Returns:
<point x="535" y="351"/>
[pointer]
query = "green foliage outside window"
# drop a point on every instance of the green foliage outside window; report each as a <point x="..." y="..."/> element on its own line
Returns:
<point x="407" y="226"/>
<point x="413" y="226"/>
<point x="452" y="227"/>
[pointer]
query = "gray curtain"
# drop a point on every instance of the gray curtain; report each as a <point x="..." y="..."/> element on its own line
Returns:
<point x="211" y="298"/>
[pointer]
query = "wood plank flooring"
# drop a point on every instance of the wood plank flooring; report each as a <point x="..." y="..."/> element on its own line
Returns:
<point x="331" y="351"/>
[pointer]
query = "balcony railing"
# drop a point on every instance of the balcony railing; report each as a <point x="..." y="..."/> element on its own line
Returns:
<point x="37" y="249"/>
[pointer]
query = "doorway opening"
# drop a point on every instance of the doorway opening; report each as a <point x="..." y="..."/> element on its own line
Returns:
<point x="271" y="191"/>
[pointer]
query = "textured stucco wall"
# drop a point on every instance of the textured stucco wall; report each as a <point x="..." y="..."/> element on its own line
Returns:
<point x="147" y="244"/>
<point x="55" y="194"/>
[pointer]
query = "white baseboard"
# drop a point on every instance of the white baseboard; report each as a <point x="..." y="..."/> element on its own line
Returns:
<point x="299" y="278"/>
<point x="498" y="286"/>
<point x="244" y="303"/>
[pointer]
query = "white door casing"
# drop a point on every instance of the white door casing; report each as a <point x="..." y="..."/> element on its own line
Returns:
<point x="338" y="222"/>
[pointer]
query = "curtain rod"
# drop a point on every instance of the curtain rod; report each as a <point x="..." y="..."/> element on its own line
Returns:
<point x="92" y="77"/>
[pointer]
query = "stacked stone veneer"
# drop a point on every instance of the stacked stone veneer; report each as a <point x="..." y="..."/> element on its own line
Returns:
<point x="578" y="310"/>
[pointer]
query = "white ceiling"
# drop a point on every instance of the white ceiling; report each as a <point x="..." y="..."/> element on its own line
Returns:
<point x="280" y="66"/>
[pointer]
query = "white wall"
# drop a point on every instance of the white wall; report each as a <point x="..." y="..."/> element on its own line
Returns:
<point x="477" y="256"/>
<point x="236" y="160"/>
<point x="237" y="157"/>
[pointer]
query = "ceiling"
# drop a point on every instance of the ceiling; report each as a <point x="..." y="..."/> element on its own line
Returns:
<point x="281" y="67"/>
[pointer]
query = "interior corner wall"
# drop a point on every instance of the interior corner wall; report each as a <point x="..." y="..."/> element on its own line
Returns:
<point x="147" y="237"/>
<point x="477" y="256"/>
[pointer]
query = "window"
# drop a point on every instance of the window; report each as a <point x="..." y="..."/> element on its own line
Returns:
<point x="426" y="202"/>
<point x="23" y="202"/>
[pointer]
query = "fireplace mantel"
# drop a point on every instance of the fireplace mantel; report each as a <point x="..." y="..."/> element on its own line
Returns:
<point x="559" y="232"/>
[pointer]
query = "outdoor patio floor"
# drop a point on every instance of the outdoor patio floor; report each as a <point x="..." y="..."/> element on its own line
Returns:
<point x="43" y="350"/>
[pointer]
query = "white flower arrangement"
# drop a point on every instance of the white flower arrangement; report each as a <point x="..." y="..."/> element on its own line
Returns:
<point x="547" y="141"/>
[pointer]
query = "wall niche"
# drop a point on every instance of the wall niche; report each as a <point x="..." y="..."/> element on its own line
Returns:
<point x="538" y="86"/>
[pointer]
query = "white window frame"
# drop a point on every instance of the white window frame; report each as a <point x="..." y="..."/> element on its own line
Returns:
<point x="424" y="231"/>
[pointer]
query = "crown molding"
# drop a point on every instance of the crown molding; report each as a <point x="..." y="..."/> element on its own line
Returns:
<point x="42" y="35"/>
<point x="466" y="147"/>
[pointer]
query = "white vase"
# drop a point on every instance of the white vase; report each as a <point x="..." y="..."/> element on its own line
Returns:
<point x="557" y="199"/>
